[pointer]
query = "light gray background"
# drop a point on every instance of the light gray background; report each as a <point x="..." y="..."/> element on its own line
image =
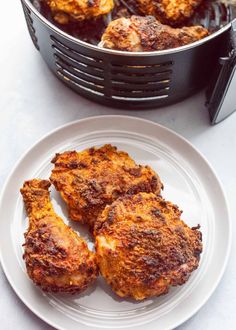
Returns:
<point x="33" y="102"/>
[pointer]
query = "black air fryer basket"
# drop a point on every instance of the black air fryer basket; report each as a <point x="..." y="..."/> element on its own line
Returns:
<point x="143" y="80"/>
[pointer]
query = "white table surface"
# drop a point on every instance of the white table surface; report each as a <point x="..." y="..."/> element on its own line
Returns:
<point x="33" y="102"/>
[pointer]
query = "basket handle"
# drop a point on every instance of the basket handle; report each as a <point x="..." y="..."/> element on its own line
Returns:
<point x="221" y="95"/>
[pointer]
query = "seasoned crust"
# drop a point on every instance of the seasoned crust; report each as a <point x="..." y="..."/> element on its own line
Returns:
<point x="64" y="11"/>
<point x="91" y="179"/>
<point x="156" y="36"/>
<point x="143" y="247"/>
<point x="139" y="33"/>
<point x="171" y="12"/>
<point x="56" y="258"/>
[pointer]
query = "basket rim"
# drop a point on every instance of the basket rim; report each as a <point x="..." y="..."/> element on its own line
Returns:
<point x="67" y="36"/>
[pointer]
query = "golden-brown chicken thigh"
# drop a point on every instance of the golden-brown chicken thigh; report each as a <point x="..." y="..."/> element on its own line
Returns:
<point x="137" y="34"/>
<point x="56" y="258"/>
<point x="64" y="11"/>
<point x="91" y="179"/>
<point x="143" y="247"/>
<point x="171" y="12"/>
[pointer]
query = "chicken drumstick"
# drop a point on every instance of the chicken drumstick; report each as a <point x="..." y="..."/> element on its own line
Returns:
<point x="56" y="258"/>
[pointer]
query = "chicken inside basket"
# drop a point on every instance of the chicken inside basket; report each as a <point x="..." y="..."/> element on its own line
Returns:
<point x="140" y="25"/>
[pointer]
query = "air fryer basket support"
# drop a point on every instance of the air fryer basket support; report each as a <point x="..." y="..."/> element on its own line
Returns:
<point x="141" y="80"/>
<point x="221" y="98"/>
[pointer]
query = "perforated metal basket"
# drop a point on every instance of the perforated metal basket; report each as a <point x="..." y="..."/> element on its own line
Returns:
<point x="123" y="79"/>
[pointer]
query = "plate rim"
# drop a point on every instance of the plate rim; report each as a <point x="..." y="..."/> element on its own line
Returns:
<point x="117" y="117"/>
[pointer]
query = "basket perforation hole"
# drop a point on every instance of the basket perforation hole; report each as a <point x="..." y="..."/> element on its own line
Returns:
<point x="29" y="18"/>
<point x="57" y="42"/>
<point x="158" y="65"/>
<point x="142" y="79"/>
<point x="132" y="99"/>
<point x="141" y="93"/>
<point x="77" y="71"/>
<point x="75" y="79"/>
<point x="141" y="82"/>
<point x="81" y="61"/>
<point x="138" y="72"/>
<point x="77" y="84"/>
<point x="148" y="83"/>
<point x="29" y="22"/>
<point x="137" y="75"/>
<point x="30" y="26"/>
<point x="27" y="10"/>
<point x="140" y="87"/>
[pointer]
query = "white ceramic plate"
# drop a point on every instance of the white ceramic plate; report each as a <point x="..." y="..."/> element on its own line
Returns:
<point x="189" y="182"/>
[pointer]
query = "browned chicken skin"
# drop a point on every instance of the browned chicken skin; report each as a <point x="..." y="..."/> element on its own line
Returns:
<point x="139" y="33"/>
<point x="56" y="258"/>
<point x="64" y="11"/>
<point x="171" y="12"/>
<point x="143" y="247"/>
<point x="91" y="179"/>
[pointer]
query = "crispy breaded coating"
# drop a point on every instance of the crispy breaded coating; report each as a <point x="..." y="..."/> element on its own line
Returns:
<point x="171" y="12"/>
<point x="91" y="179"/>
<point x="143" y="247"/>
<point x="56" y="258"/>
<point x="64" y="11"/>
<point x="139" y="34"/>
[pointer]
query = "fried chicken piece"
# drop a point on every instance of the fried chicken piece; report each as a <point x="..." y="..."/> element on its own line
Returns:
<point x="64" y="11"/>
<point x="56" y="258"/>
<point x="143" y="247"/>
<point x="91" y="179"/>
<point x="138" y="34"/>
<point x="171" y="12"/>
